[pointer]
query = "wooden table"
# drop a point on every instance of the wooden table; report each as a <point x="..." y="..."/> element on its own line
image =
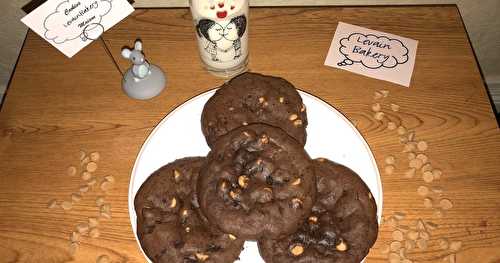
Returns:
<point x="56" y="107"/>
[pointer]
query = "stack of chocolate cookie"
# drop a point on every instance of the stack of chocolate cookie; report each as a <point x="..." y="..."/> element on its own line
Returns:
<point x="257" y="183"/>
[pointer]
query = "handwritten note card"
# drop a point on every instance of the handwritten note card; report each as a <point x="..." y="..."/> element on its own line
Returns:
<point x="373" y="53"/>
<point x="70" y="25"/>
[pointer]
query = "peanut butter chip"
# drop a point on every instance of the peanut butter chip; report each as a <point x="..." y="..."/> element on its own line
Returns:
<point x="411" y="136"/>
<point x="390" y="159"/>
<point x="384" y="93"/>
<point x="71" y="171"/>
<point x="74" y="236"/>
<point x="106" y="186"/>
<point x="427" y="167"/>
<point x="264" y="139"/>
<point x="244" y="123"/>
<point x="389" y="169"/>
<point x="376" y="107"/>
<point x="342" y="246"/>
<point x="412" y="235"/>
<point x="85" y="161"/>
<point x="303" y="108"/>
<point x="437" y="173"/>
<point x="443" y="243"/>
<point x="105" y="214"/>
<point x="395" y="246"/>
<point x="95" y="156"/>
<point x="110" y="178"/>
<point x="297" y="250"/>
<point x="232" y="237"/>
<point x="281" y="99"/>
<point x="73" y="247"/>
<point x="313" y="219"/>
<point x="416" y="163"/>
<point x="293" y="117"/>
<point x="394" y="107"/>
<point x="66" y="205"/>
<point x="296" y="182"/>
<point x="177" y="175"/>
<point x="86" y="176"/>
<point x="173" y="202"/>
<point x="234" y="195"/>
<point x="397" y="235"/>
<point x="391" y="126"/>
<point x="99" y="201"/>
<point x="52" y="204"/>
<point x="76" y="197"/>
<point x="103" y="259"/>
<point x="422" y="190"/>
<point x="399" y="215"/>
<point x="82" y="228"/>
<point x="184" y="213"/>
<point x="297" y="123"/>
<point x="422" y="146"/>
<point x="428" y="177"/>
<point x="379" y="116"/>
<point x="394" y="258"/>
<point x="84" y="189"/>
<point x="455" y="245"/>
<point x="93" y="222"/>
<point x="445" y="204"/>
<point x="201" y="257"/>
<point x="261" y="100"/>
<point x="231" y="108"/>
<point x="187" y="229"/>
<point x="82" y="155"/>
<point x="92" y="167"/>
<point x="296" y="203"/>
<point x="243" y="181"/>
<point x="94" y="233"/>
<point x="401" y="130"/>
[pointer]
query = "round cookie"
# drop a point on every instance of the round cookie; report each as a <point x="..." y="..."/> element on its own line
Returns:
<point x="341" y="228"/>
<point x="254" y="98"/>
<point x="169" y="225"/>
<point x="257" y="182"/>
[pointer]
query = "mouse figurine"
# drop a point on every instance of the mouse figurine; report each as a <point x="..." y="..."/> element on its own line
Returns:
<point x="143" y="80"/>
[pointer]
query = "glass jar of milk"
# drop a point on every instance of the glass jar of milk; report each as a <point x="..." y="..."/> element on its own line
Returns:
<point x="222" y="34"/>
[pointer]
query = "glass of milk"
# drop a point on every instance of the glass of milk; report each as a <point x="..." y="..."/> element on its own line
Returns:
<point x="222" y="34"/>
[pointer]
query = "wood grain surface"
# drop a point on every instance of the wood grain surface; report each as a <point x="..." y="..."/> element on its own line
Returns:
<point x="56" y="107"/>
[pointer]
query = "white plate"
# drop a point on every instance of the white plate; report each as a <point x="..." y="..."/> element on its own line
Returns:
<point x="329" y="135"/>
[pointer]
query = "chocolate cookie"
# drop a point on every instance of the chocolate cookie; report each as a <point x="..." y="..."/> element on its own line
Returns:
<point x="257" y="182"/>
<point x="169" y="226"/>
<point x="254" y="98"/>
<point x="341" y="228"/>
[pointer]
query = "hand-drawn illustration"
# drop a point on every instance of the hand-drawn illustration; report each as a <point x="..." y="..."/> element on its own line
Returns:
<point x="92" y="31"/>
<point x="372" y="51"/>
<point x="222" y="40"/>
<point x="75" y="19"/>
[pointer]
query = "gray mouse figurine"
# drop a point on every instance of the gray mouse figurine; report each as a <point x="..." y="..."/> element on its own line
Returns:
<point x="143" y="80"/>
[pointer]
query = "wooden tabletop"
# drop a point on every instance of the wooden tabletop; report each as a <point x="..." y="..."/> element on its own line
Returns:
<point x="56" y="107"/>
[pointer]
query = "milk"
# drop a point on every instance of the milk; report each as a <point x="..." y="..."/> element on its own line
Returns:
<point x="222" y="34"/>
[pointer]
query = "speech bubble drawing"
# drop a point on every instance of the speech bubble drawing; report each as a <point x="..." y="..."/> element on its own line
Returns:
<point x="372" y="51"/>
<point x="72" y="18"/>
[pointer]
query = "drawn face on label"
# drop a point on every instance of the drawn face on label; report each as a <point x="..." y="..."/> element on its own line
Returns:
<point x="216" y="32"/>
<point x="217" y="9"/>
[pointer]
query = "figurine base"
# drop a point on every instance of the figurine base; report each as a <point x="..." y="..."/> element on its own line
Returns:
<point x="143" y="89"/>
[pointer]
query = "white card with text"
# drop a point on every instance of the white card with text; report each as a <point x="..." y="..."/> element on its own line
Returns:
<point x="373" y="53"/>
<point x="70" y="25"/>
